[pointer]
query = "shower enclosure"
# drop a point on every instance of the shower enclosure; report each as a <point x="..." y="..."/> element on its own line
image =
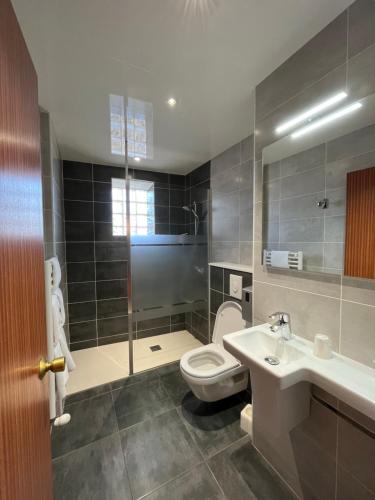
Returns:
<point x="167" y="276"/>
<point x="167" y="270"/>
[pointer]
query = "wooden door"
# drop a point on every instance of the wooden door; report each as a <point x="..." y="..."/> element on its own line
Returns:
<point x="360" y="223"/>
<point x="25" y="456"/>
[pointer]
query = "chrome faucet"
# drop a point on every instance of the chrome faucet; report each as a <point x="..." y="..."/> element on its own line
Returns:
<point x="282" y="324"/>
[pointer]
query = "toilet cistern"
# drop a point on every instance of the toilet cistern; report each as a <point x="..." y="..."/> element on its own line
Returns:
<point x="282" y="324"/>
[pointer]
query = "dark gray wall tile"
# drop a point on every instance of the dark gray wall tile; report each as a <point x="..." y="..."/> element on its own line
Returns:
<point x="114" y="339"/>
<point x="104" y="173"/>
<point x="102" y="212"/>
<point x="161" y="214"/>
<point x="79" y="231"/>
<point x="217" y="278"/>
<point x="111" y="289"/>
<point x="78" y="210"/>
<point x="77" y="170"/>
<point x="83" y="331"/>
<point x="86" y="344"/>
<point x="82" y="271"/>
<point x="200" y="174"/>
<point x="153" y="323"/>
<point x="79" y="252"/>
<point x="83" y="311"/>
<point x="153" y="332"/>
<point x="112" y="307"/>
<point x="81" y="292"/>
<point x="111" y="270"/>
<point x="77" y="190"/>
<point x="111" y="251"/>
<point x="103" y="191"/>
<point x="112" y="326"/>
<point x="161" y="196"/>
<point x="104" y="232"/>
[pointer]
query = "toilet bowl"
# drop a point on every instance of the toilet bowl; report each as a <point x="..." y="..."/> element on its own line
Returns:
<point x="212" y="372"/>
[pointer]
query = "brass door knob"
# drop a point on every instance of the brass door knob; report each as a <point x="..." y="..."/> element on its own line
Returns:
<point x="56" y="365"/>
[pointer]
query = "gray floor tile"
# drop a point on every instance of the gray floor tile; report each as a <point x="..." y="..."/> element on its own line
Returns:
<point x="176" y="386"/>
<point x="138" y="402"/>
<point x="243" y="473"/>
<point x="88" y="393"/>
<point x="214" y="426"/>
<point x="197" y="484"/>
<point x="135" y="379"/>
<point x="156" y="451"/>
<point x="94" y="472"/>
<point x="92" y="419"/>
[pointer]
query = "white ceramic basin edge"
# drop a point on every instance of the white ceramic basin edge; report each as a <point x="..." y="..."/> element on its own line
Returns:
<point x="351" y="382"/>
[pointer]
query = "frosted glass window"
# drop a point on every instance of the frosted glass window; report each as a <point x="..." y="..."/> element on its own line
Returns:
<point x="142" y="207"/>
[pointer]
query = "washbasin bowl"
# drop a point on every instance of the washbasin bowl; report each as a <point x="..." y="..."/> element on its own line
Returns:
<point x="266" y="345"/>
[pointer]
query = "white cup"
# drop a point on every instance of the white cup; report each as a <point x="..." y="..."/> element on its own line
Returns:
<point x="322" y="346"/>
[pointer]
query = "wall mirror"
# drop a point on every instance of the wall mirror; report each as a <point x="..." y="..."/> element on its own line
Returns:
<point x="319" y="189"/>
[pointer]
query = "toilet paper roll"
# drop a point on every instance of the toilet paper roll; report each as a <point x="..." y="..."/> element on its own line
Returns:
<point x="322" y="346"/>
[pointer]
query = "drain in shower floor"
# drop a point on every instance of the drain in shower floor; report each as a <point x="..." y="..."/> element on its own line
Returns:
<point x="155" y="348"/>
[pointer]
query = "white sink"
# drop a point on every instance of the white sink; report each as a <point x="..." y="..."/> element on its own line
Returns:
<point x="349" y="381"/>
<point x="264" y="345"/>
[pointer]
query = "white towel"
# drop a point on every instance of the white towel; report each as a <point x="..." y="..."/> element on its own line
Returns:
<point x="56" y="273"/>
<point x="280" y="258"/>
<point x="60" y="347"/>
<point x="58" y="300"/>
<point x="59" y="337"/>
<point x="61" y="379"/>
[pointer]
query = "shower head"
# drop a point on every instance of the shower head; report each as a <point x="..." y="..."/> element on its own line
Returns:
<point x="187" y="209"/>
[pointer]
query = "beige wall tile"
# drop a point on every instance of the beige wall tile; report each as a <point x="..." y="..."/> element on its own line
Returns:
<point x="310" y="313"/>
<point x="358" y="290"/>
<point x="358" y="333"/>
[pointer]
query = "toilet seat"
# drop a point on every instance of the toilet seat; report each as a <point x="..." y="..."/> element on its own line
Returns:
<point x="208" y="361"/>
<point x="211" y="363"/>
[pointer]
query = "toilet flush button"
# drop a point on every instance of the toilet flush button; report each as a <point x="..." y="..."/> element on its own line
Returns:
<point x="235" y="286"/>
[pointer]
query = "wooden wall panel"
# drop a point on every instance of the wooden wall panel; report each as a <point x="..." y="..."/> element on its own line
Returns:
<point x="25" y="455"/>
<point x="360" y="224"/>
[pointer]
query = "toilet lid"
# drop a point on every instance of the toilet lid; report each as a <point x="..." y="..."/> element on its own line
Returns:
<point x="228" y="320"/>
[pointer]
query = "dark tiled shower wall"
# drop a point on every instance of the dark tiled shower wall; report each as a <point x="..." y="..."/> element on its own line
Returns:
<point x="198" y="183"/>
<point x="219" y="289"/>
<point x="97" y="260"/>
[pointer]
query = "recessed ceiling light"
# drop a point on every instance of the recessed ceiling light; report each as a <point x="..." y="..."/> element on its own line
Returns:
<point x="137" y="159"/>
<point x="327" y="119"/>
<point x="172" y="102"/>
<point x="311" y="112"/>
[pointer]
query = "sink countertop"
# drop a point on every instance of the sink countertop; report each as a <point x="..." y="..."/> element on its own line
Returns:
<point x="350" y="381"/>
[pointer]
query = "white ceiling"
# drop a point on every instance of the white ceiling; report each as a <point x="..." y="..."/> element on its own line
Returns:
<point x="208" y="54"/>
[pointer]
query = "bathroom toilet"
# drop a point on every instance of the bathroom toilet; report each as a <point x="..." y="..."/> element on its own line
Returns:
<point x="212" y="372"/>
